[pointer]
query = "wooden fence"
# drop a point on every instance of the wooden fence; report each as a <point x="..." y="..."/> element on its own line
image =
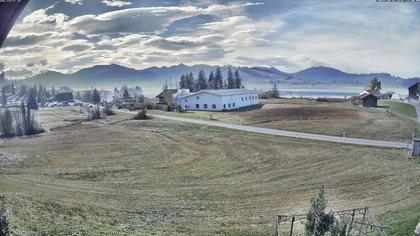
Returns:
<point x="360" y="221"/>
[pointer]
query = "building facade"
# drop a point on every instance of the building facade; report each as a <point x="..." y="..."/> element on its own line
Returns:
<point x="219" y="100"/>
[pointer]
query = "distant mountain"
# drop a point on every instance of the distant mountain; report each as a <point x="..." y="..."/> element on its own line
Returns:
<point x="108" y="76"/>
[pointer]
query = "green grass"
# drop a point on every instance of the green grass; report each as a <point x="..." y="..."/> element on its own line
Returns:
<point x="118" y="177"/>
<point x="402" y="222"/>
<point x="398" y="107"/>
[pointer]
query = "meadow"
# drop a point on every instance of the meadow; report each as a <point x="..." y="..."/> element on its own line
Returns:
<point x="118" y="176"/>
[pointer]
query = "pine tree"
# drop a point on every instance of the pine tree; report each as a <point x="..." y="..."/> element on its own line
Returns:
<point x="182" y="82"/>
<point x="3" y="96"/>
<point x="202" y="81"/>
<point x="317" y="221"/>
<point x="32" y="103"/>
<point x="53" y="92"/>
<point x="96" y="98"/>
<point x="13" y="89"/>
<point x="211" y="82"/>
<point x="126" y="95"/>
<point x="238" y="80"/>
<point x="190" y="81"/>
<point x="230" y="79"/>
<point x="218" y="79"/>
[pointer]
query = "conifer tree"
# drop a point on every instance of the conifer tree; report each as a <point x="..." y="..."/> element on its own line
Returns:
<point x="230" y="79"/>
<point x="211" y="82"/>
<point x="201" y="81"/>
<point x="238" y="80"/>
<point x="218" y="79"/>
<point x="317" y="221"/>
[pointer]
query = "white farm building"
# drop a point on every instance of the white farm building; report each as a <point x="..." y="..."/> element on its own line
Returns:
<point x="219" y="100"/>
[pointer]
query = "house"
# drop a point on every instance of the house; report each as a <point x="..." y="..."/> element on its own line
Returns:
<point x="64" y="97"/>
<point x="369" y="100"/>
<point x="219" y="100"/>
<point x="414" y="91"/>
<point x="161" y="95"/>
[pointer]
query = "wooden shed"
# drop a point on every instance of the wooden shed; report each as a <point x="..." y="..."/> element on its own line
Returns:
<point x="414" y="91"/>
<point x="369" y="100"/>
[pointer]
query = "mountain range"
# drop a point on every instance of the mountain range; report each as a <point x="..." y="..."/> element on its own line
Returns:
<point x="108" y="76"/>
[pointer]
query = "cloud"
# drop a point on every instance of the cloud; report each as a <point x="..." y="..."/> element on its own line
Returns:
<point x="116" y="3"/>
<point x="1" y="66"/>
<point x="74" y="2"/>
<point x="146" y="20"/>
<point x="26" y="39"/>
<point x="41" y="62"/>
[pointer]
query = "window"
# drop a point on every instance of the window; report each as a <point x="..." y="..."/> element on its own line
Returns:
<point x="249" y="97"/>
<point x="224" y="106"/>
<point x="242" y="98"/>
<point x="198" y="97"/>
<point x="185" y="100"/>
<point x="213" y="106"/>
<point x="205" y="106"/>
<point x="246" y="98"/>
<point x="197" y="106"/>
<point x="229" y="105"/>
<point x="233" y="104"/>
<point x="186" y="106"/>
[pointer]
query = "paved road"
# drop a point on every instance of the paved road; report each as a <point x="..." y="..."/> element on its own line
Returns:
<point x="290" y="134"/>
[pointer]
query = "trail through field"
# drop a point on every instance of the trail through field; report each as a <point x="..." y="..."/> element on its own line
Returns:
<point x="290" y="134"/>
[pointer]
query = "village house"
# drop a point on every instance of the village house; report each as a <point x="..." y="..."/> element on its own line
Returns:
<point x="161" y="96"/>
<point x="219" y="100"/>
<point x="368" y="100"/>
<point x="414" y="91"/>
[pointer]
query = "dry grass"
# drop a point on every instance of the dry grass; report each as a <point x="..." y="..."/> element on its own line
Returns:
<point x="331" y="118"/>
<point x="115" y="176"/>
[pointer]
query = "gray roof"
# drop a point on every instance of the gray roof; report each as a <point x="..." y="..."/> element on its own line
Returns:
<point x="224" y="92"/>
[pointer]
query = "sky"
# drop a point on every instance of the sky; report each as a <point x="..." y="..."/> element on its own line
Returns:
<point x="356" y="36"/>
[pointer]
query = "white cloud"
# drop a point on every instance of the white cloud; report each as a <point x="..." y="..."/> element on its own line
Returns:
<point x="116" y="3"/>
<point x="74" y="2"/>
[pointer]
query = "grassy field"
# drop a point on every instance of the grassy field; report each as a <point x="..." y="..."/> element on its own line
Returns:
<point x="117" y="176"/>
<point x="332" y="118"/>
<point x="398" y="107"/>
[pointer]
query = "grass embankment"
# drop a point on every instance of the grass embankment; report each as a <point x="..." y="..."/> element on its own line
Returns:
<point x="402" y="222"/>
<point x="398" y="107"/>
<point x="114" y="177"/>
<point x="330" y="118"/>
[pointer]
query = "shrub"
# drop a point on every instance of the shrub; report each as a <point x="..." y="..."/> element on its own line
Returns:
<point x="108" y="110"/>
<point x="94" y="113"/>
<point x="318" y="222"/>
<point x="141" y="115"/>
<point x="4" y="223"/>
<point x="6" y="123"/>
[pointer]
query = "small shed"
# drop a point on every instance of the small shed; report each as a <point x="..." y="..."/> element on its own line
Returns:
<point x="415" y="147"/>
<point x="414" y="91"/>
<point x="369" y="100"/>
<point x="64" y="97"/>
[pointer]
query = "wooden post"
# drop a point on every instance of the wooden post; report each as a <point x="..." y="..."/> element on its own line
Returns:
<point x="277" y="233"/>
<point x="351" y="222"/>
<point x="291" y="226"/>
<point x="363" y="221"/>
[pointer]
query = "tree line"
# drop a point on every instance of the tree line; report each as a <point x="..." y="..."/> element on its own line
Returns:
<point x="214" y="81"/>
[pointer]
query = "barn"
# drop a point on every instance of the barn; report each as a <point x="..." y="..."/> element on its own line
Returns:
<point x="369" y="100"/>
<point x="414" y="91"/>
<point x="219" y="100"/>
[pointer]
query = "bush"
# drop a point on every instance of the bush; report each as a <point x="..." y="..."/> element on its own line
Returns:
<point x="4" y="223"/>
<point x="108" y="110"/>
<point x="94" y="113"/>
<point x="141" y="115"/>
<point x="19" y="122"/>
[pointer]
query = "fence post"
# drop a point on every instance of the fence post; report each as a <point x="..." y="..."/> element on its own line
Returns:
<point x="351" y="222"/>
<point x="291" y="226"/>
<point x="277" y="233"/>
<point x="363" y="221"/>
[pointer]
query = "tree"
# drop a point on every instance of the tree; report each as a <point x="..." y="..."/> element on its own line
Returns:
<point x="238" y="80"/>
<point x="13" y="89"/>
<point x="218" y="79"/>
<point x="23" y="91"/>
<point x="317" y="221"/>
<point x="230" y="79"/>
<point x="6" y="123"/>
<point x="53" y="92"/>
<point x="168" y="97"/>
<point x="202" y="81"/>
<point x="96" y="98"/>
<point x="182" y="82"/>
<point x="190" y="81"/>
<point x="375" y="86"/>
<point x="3" y="96"/>
<point x="211" y="82"/>
<point x="32" y="103"/>
<point x="126" y="95"/>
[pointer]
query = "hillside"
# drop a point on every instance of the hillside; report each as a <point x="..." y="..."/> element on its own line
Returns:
<point x="117" y="75"/>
